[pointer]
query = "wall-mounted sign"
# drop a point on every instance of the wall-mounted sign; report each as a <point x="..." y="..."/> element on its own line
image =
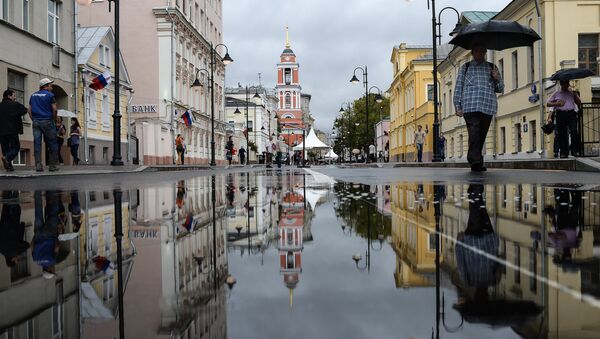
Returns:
<point x="143" y="109"/>
<point x="145" y="234"/>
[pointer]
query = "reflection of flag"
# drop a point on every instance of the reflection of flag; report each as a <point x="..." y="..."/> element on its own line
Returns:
<point x="245" y="132"/>
<point x="187" y="224"/>
<point x="101" y="81"/>
<point x="187" y="118"/>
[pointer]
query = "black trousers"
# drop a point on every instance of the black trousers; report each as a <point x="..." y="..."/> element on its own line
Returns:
<point x="10" y="146"/>
<point x="566" y="122"/>
<point x="478" y="125"/>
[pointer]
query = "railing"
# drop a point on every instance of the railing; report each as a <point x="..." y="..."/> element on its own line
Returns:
<point x="589" y="129"/>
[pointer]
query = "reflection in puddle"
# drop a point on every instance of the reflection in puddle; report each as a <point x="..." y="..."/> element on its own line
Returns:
<point x="282" y="254"/>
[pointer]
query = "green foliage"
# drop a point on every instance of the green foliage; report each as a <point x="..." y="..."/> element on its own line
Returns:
<point x="252" y="146"/>
<point x="351" y="136"/>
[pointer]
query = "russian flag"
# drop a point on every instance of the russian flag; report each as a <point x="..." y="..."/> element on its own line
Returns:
<point x="101" y="81"/>
<point x="187" y="118"/>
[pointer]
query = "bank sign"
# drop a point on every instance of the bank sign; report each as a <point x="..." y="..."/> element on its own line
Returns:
<point x="143" y="109"/>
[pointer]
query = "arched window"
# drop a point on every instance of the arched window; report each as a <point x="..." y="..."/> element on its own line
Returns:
<point x="288" y="100"/>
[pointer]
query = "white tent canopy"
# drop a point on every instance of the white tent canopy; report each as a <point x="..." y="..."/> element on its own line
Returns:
<point x="331" y="155"/>
<point x="312" y="143"/>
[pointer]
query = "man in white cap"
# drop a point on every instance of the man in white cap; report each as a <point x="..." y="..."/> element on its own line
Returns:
<point x="42" y="111"/>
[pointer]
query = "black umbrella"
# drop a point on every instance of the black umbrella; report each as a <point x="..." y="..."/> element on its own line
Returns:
<point x="498" y="312"/>
<point x="571" y="74"/>
<point x="496" y="35"/>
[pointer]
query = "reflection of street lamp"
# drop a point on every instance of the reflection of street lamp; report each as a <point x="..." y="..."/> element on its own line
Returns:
<point x="237" y="111"/>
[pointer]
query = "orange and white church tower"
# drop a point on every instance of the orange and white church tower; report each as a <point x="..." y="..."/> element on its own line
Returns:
<point x="288" y="89"/>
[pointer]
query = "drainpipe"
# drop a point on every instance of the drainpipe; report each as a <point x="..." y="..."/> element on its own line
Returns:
<point x="541" y="77"/>
<point x="86" y="150"/>
<point x="129" y="160"/>
<point x="171" y="120"/>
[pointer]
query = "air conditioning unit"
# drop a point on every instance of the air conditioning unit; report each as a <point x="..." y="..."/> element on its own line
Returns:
<point x="56" y="55"/>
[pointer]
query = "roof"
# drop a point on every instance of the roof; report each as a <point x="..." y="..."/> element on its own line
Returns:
<point x="442" y="53"/>
<point x="288" y="51"/>
<point x="406" y="46"/>
<point x="88" y="39"/>
<point x="478" y="16"/>
<point x="235" y="102"/>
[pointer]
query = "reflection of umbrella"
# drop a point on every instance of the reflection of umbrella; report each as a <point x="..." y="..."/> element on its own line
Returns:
<point x="571" y="74"/>
<point x="356" y="151"/>
<point x="498" y="312"/>
<point x="66" y="114"/>
<point x="496" y="35"/>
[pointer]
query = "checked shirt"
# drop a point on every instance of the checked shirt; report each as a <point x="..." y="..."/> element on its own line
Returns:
<point x="476" y="90"/>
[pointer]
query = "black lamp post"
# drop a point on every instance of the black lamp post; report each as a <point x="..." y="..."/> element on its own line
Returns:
<point x="237" y="111"/>
<point x="226" y="61"/>
<point x="355" y="80"/>
<point x="436" y="33"/>
<point x="378" y="99"/>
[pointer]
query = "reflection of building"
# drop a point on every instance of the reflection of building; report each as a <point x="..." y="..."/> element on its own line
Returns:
<point x="516" y="212"/>
<point x="413" y="234"/>
<point x="291" y="240"/>
<point x="31" y="304"/>
<point x="40" y="36"/>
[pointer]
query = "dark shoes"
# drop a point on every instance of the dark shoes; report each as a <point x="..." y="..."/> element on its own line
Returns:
<point x="7" y="165"/>
<point x="478" y="168"/>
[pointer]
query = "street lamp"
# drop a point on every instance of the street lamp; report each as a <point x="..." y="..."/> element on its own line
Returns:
<point x="378" y="98"/>
<point x="226" y="60"/>
<point x="436" y="25"/>
<point x="237" y="111"/>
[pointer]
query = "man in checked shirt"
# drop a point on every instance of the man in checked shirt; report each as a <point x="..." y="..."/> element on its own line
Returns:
<point x="477" y="83"/>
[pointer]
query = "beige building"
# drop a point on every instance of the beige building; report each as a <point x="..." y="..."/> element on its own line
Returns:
<point x="515" y="132"/>
<point x="168" y="44"/>
<point x="38" y="42"/>
<point x="95" y="56"/>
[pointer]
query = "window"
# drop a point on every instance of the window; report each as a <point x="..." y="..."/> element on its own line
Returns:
<point x="530" y="65"/>
<point x="250" y="126"/>
<point x="26" y="15"/>
<point x="502" y="140"/>
<point x="429" y="92"/>
<point x="288" y="100"/>
<point x="432" y="242"/>
<point x="504" y="196"/>
<point x="105" y="111"/>
<point x="197" y="14"/>
<point x="101" y="55"/>
<point x="288" y="76"/>
<point x="16" y="82"/>
<point x="460" y="145"/>
<point x="90" y="107"/>
<point x="93" y="242"/>
<point x="532" y="135"/>
<point x="53" y="24"/>
<point x="518" y="264"/>
<point x="21" y="159"/>
<point x="4" y="9"/>
<point x="104" y="56"/>
<point x="518" y="139"/>
<point x="444" y="107"/>
<point x="501" y="67"/>
<point x="515" y="69"/>
<point x="107" y="234"/>
<point x="519" y="199"/>
<point x="533" y="270"/>
<point x="588" y="52"/>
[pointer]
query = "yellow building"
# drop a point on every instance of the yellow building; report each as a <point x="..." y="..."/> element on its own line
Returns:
<point x="411" y="101"/>
<point x="413" y="234"/>
<point x="515" y="132"/>
<point x="96" y="56"/>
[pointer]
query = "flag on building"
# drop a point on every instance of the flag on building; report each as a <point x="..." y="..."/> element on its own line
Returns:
<point x="187" y="118"/>
<point x="101" y="81"/>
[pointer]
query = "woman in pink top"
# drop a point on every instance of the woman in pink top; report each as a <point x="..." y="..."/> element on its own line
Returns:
<point x="565" y="103"/>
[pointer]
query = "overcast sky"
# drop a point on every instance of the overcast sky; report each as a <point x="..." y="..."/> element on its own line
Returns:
<point x="330" y="38"/>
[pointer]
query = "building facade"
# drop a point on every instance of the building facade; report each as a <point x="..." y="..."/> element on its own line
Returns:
<point x="174" y="42"/>
<point x="95" y="56"/>
<point x="411" y="101"/>
<point x="38" y="43"/>
<point x="289" y="92"/>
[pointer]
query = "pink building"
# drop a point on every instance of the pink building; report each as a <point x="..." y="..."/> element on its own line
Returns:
<point x="167" y="43"/>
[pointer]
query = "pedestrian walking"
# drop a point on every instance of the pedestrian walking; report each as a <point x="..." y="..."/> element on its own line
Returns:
<point x="179" y="147"/>
<point x="242" y="153"/>
<point x="442" y="147"/>
<point x="565" y="103"/>
<point x="74" y="140"/>
<point x="420" y="136"/>
<point x="12" y="231"/>
<point x="229" y="149"/>
<point x="280" y="147"/>
<point x="475" y="99"/>
<point x="61" y="132"/>
<point x="42" y="111"/>
<point x="11" y="125"/>
<point x="371" y="156"/>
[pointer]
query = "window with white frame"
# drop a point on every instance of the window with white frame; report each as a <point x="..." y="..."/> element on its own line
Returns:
<point x="16" y="82"/>
<point x="21" y="158"/>
<point x="4" y="9"/>
<point x="108" y="234"/>
<point x="429" y="92"/>
<point x="92" y="246"/>
<point x="105" y="111"/>
<point x="53" y="21"/>
<point x="515" y="70"/>
<point x="90" y="108"/>
<point x="26" y="9"/>
<point x="101" y="55"/>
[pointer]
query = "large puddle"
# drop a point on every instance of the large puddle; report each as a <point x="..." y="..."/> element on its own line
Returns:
<point x="292" y="254"/>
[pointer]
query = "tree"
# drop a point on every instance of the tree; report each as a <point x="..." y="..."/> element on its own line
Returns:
<point x="351" y="136"/>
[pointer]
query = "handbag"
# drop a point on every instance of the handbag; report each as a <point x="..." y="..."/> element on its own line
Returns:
<point x="69" y="142"/>
<point x="548" y="128"/>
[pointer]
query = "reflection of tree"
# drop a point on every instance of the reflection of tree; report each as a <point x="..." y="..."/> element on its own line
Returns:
<point x="354" y="212"/>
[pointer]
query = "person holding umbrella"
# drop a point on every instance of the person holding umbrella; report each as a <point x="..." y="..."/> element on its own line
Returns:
<point x="565" y="103"/>
<point x="475" y="100"/>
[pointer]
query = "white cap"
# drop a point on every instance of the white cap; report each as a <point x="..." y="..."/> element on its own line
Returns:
<point x="48" y="275"/>
<point x="45" y="82"/>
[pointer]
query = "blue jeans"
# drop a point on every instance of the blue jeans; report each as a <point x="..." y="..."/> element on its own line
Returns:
<point x="47" y="129"/>
<point x="419" y="152"/>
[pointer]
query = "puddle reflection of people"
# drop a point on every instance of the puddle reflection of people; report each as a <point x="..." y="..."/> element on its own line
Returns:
<point x="75" y="210"/>
<point x="12" y="230"/>
<point x="565" y="234"/>
<point x="476" y="269"/>
<point x="180" y="201"/>
<point x="45" y="246"/>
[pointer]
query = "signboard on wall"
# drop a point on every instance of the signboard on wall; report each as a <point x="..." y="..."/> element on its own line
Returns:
<point x="143" y="109"/>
